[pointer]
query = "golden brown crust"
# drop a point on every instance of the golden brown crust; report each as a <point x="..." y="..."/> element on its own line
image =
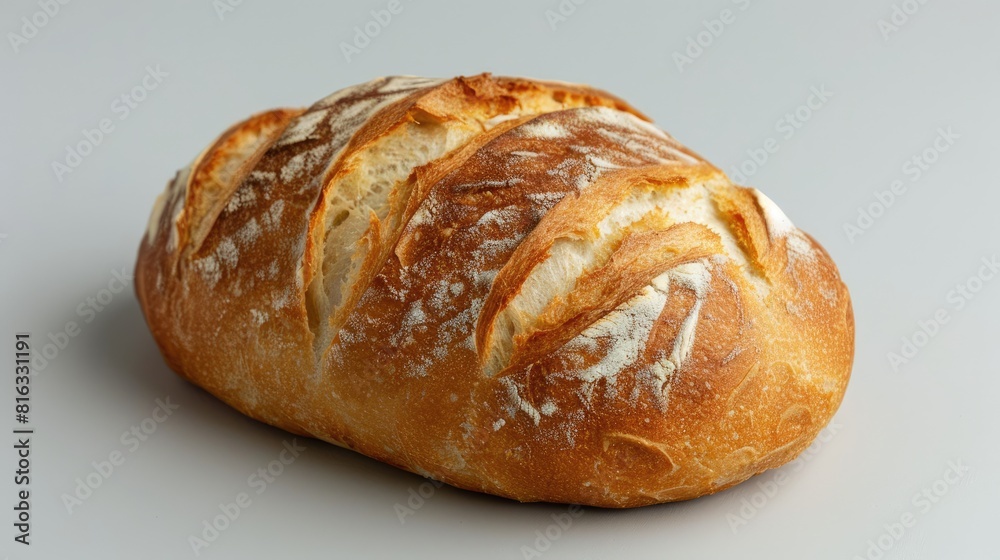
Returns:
<point x="562" y="304"/>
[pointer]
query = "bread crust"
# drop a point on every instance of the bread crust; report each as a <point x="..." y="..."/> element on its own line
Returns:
<point x="569" y="306"/>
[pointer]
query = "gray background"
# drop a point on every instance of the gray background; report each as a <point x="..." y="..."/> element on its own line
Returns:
<point x="896" y="432"/>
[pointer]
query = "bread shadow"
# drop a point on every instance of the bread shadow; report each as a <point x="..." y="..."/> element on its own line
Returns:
<point x="127" y="365"/>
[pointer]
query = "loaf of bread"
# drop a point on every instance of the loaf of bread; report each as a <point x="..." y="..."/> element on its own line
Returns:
<point x="512" y="286"/>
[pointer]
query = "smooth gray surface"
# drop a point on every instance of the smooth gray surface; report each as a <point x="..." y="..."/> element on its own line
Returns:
<point x="897" y="430"/>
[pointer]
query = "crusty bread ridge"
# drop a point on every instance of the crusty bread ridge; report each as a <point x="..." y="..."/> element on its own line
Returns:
<point x="514" y="286"/>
